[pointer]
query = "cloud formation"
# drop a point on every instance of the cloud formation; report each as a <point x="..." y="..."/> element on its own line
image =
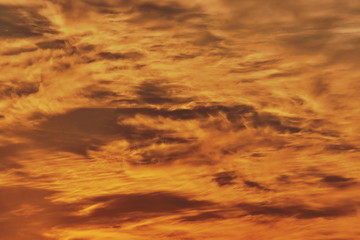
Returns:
<point x="216" y="119"/>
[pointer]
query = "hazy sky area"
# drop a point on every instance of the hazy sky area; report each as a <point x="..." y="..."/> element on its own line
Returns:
<point x="179" y="120"/>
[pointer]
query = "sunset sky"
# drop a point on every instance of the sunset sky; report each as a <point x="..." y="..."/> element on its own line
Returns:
<point x="179" y="120"/>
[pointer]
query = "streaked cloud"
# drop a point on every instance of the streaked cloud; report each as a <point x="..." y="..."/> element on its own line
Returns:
<point x="216" y="119"/>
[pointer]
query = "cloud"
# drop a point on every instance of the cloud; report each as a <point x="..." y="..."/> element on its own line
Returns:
<point x="13" y="197"/>
<point x="18" y="88"/>
<point x="225" y="178"/>
<point x="184" y="57"/>
<point x="18" y="51"/>
<point x="205" y="216"/>
<point x="338" y="181"/>
<point x="340" y="147"/>
<point x="105" y="3"/>
<point x="205" y="93"/>
<point x="273" y="121"/>
<point x="255" y="185"/>
<point x="120" y="56"/>
<point x="197" y="112"/>
<point x="207" y="38"/>
<point x="84" y="129"/>
<point x="299" y="211"/>
<point x="148" y="202"/>
<point x="20" y="214"/>
<point x="99" y="93"/>
<point x="53" y="44"/>
<point x="156" y="92"/>
<point x="21" y="208"/>
<point x="118" y="208"/>
<point x="304" y="28"/>
<point x="23" y="22"/>
<point x="305" y="43"/>
<point x="7" y="153"/>
<point x="172" y="11"/>
<point x="75" y="131"/>
<point x="178" y="152"/>
<point x="253" y="66"/>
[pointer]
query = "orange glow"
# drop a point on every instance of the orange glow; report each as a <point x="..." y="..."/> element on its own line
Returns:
<point x="181" y="120"/>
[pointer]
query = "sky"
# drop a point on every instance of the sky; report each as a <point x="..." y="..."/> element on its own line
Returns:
<point x="181" y="120"/>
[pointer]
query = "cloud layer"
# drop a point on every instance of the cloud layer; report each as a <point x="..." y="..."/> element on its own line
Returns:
<point x="215" y="119"/>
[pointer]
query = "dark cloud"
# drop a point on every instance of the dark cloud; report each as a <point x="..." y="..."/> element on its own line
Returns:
<point x="22" y="22"/>
<point x="170" y="140"/>
<point x="13" y="197"/>
<point x="139" y="66"/>
<point x="320" y="86"/>
<point x="18" y="88"/>
<point x="341" y="147"/>
<point x="54" y="44"/>
<point x="273" y="121"/>
<point x="257" y="155"/>
<point x="61" y="66"/>
<point x="82" y="9"/>
<point x="105" y="3"/>
<point x="184" y="56"/>
<point x="83" y="129"/>
<point x="19" y="51"/>
<point x="75" y="131"/>
<point x="87" y="47"/>
<point x="169" y="12"/>
<point x="338" y="181"/>
<point x="205" y="216"/>
<point x="325" y="180"/>
<point x="285" y="74"/>
<point x="305" y="43"/>
<point x="27" y="176"/>
<point x="121" y="56"/>
<point x="21" y="226"/>
<point x="108" y="210"/>
<point x="26" y="88"/>
<point x="284" y="179"/>
<point x="172" y="154"/>
<point x="158" y="92"/>
<point x="120" y="208"/>
<point x="233" y="112"/>
<point x="255" y="185"/>
<point x="98" y="93"/>
<point x="247" y="67"/>
<point x="265" y="64"/>
<point x="148" y="202"/>
<point x="207" y="38"/>
<point x="152" y="15"/>
<point x="8" y="153"/>
<point x="225" y="178"/>
<point x="126" y="100"/>
<point x="299" y="211"/>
